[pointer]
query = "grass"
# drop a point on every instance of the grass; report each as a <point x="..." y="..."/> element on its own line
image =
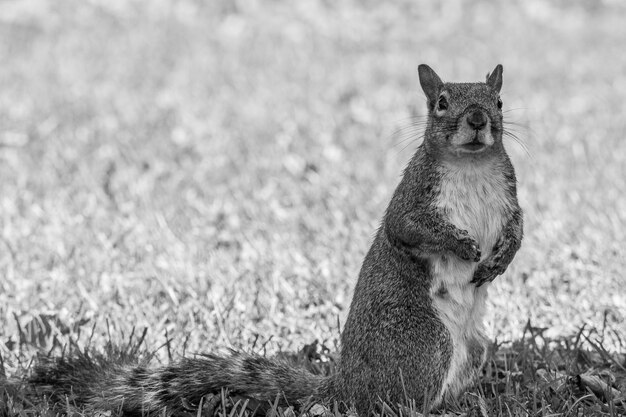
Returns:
<point x="214" y="172"/>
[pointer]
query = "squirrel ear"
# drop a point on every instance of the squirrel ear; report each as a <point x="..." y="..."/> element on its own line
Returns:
<point x="430" y="82"/>
<point x="494" y="80"/>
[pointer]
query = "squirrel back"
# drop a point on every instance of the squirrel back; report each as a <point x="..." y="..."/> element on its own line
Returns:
<point x="414" y="331"/>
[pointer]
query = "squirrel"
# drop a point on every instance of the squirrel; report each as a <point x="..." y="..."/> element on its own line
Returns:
<point x="414" y="330"/>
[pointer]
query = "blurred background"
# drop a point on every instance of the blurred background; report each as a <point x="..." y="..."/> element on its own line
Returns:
<point x="215" y="171"/>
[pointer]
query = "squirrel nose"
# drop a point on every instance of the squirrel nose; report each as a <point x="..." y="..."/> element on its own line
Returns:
<point x="477" y="120"/>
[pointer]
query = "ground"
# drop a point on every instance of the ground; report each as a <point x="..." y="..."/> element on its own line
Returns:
<point x="215" y="171"/>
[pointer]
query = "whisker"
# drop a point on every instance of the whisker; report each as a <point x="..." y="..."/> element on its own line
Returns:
<point x="506" y="122"/>
<point x="413" y="117"/>
<point x="409" y="138"/>
<point x="514" y="109"/>
<point x="518" y="141"/>
<point x="416" y="139"/>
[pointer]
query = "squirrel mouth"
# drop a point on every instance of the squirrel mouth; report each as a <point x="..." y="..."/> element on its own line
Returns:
<point x="474" y="146"/>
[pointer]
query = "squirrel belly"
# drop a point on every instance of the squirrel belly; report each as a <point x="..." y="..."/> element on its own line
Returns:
<point x="471" y="197"/>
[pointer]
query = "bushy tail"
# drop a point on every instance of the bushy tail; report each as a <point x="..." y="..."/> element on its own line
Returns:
<point x="131" y="389"/>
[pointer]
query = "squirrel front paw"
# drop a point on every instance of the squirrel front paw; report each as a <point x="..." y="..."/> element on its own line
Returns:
<point x="466" y="248"/>
<point x="486" y="272"/>
<point x="495" y="264"/>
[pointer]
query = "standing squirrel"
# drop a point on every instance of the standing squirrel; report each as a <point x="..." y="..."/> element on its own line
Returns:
<point x="414" y="330"/>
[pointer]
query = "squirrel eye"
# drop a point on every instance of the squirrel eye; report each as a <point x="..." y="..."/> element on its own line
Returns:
<point x="499" y="103"/>
<point x="442" y="103"/>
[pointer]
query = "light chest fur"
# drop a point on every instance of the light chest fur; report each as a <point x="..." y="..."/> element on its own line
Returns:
<point x="472" y="197"/>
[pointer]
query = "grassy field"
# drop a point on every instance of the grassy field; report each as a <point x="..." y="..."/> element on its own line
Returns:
<point x="214" y="171"/>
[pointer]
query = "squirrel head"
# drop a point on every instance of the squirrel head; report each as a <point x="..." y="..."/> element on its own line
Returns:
<point x="464" y="119"/>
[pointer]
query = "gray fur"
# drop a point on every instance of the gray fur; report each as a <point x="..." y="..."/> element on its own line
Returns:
<point x="399" y="340"/>
<point x="131" y="389"/>
<point x="394" y="343"/>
